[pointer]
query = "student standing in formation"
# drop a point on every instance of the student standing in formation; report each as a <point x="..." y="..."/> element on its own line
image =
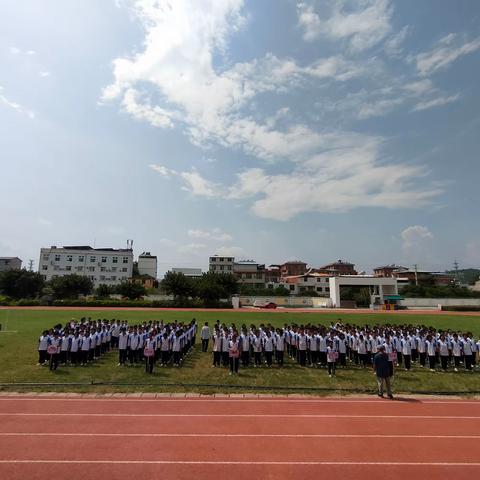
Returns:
<point x="205" y="336"/>
<point x="279" y="346"/>
<point x="165" y="347"/>
<point x="268" y="343"/>
<point x="149" y="352"/>
<point x="42" y="348"/>
<point x="331" y="358"/>
<point x="217" y="348"/>
<point x="56" y="342"/>
<point x="234" y="347"/>
<point x="457" y="350"/>
<point x="431" y="345"/>
<point x="75" y="345"/>
<point x="85" y="350"/>
<point x="245" y="341"/>
<point x="407" y="353"/>
<point x="257" y="349"/>
<point x="302" y="348"/>
<point x="122" y="342"/>
<point x="443" y="347"/>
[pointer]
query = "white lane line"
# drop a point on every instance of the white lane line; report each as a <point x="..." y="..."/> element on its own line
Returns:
<point x="230" y="415"/>
<point x="406" y="402"/>
<point x="232" y="435"/>
<point x="227" y="462"/>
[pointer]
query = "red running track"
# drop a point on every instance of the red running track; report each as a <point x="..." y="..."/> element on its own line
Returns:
<point x="203" y="438"/>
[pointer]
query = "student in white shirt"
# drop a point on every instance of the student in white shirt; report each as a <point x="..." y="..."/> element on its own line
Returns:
<point x="431" y="345"/>
<point x="205" y="336"/>
<point x="268" y="343"/>
<point x="149" y="352"/>
<point x="217" y="348"/>
<point x="407" y="352"/>
<point x="42" y="348"/>
<point x="75" y="345"/>
<point x="331" y="358"/>
<point x="467" y="351"/>
<point x="457" y="351"/>
<point x="245" y="341"/>
<point x="257" y="348"/>
<point x="165" y="349"/>
<point x="56" y="342"/>
<point x="85" y="349"/>
<point x="279" y="346"/>
<point x="443" y="351"/>
<point x="234" y="348"/>
<point x="122" y="343"/>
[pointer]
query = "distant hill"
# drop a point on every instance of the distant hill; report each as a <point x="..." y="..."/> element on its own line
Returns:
<point x="467" y="275"/>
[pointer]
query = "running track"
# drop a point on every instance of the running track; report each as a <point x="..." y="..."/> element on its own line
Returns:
<point x="215" y="438"/>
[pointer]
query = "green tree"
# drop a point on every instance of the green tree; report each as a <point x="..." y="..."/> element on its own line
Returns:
<point x="104" y="291"/>
<point x="71" y="286"/>
<point x="178" y="285"/>
<point x="21" y="283"/>
<point x="130" y="290"/>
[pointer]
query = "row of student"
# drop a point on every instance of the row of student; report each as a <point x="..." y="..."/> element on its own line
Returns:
<point x="82" y="342"/>
<point x="311" y="345"/>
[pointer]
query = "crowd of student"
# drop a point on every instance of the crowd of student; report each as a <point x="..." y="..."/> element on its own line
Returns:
<point x="82" y="342"/>
<point x="321" y="346"/>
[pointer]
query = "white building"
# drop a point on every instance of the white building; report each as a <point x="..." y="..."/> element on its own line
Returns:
<point x="219" y="264"/>
<point x="10" y="263"/>
<point x="107" y="266"/>
<point x="305" y="284"/>
<point x="249" y="273"/>
<point x="147" y="264"/>
<point x="188" y="271"/>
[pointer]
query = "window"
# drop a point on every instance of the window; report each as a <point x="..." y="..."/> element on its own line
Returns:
<point x="305" y="279"/>
<point x="114" y="278"/>
<point x="80" y="269"/>
<point x="229" y="267"/>
<point x="91" y="269"/>
<point x="92" y="278"/>
<point x="125" y="259"/>
<point x="102" y="277"/>
<point x="292" y="288"/>
<point x="259" y="276"/>
<point x="69" y="258"/>
<point x="92" y="259"/>
<point x="248" y="275"/>
<point x="222" y="268"/>
<point x="114" y="269"/>
<point x="319" y="289"/>
<point x="213" y="259"/>
<point x="46" y="256"/>
<point x="124" y="269"/>
<point x="56" y="267"/>
<point x="104" y="259"/>
<point x="44" y="277"/>
<point x="57" y="258"/>
<point x="68" y="268"/>
<point x="81" y="258"/>
<point x="327" y="289"/>
<point x="44" y="267"/>
<point x="319" y="279"/>
<point x="103" y="269"/>
<point x="114" y="259"/>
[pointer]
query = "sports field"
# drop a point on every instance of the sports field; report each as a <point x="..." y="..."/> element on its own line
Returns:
<point x="46" y="437"/>
<point x="21" y="328"/>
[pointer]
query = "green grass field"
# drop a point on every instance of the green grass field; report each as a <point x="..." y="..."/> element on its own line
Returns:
<point x="18" y="357"/>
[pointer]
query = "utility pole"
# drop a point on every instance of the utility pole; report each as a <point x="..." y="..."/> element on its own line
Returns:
<point x="416" y="274"/>
<point x="455" y="265"/>
<point x="30" y="265"/>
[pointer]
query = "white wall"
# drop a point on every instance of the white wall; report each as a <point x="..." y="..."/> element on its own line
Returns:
<point x="434" y="302"/>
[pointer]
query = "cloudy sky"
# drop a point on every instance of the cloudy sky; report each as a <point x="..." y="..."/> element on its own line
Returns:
<point x="268" y="130"/>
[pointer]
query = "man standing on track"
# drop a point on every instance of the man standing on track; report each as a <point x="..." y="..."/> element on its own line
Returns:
<point x="382" y="371"/>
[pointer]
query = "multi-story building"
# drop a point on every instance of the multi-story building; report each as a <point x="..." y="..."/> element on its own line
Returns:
<point x="220" y="264"/>
<point x="188" y="271"/>
<point x="147" y="264"/>
<point x="412" y="276"/>
<point x="308" y="283"/>
<point x="250" y="273"/>
<point x="387" y="271"/>
<point x="293" y="267"/>
<point x="10" y="263"/>
<point x="272" y="275"/>
<point x="338" y="268"/>
<point x="107" y="266"/>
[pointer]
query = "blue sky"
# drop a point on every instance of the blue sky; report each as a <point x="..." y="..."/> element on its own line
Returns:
<point x="269" y="130"/>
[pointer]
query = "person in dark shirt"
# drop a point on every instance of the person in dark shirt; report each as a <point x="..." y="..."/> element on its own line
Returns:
<point x="381" y="369"/>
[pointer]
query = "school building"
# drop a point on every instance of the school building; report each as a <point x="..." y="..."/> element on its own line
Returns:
<point x="108" y="266"/>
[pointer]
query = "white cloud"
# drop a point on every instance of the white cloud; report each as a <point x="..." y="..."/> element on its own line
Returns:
<point x="197" y="185"/>
<point x="192" y="248"/>
<point x="232" y="251"/>
<point x="163" y="171"/>
<point x="443" y="54"/>
<point x="31" y="52"/>
<point x="363" y="24"/>
<point x="44" y="221"/>
<point x="416" y="242"/>
<point x="393" y="45"/>
<point x="419" y="87"/>
<point x="436" y="102"/>
<point x="15" y="50"/>
<point x="214" y="234"/>
<point x="44" y="74"/>
<point x="176" y="69"/>
<point x="15" y="106"/>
